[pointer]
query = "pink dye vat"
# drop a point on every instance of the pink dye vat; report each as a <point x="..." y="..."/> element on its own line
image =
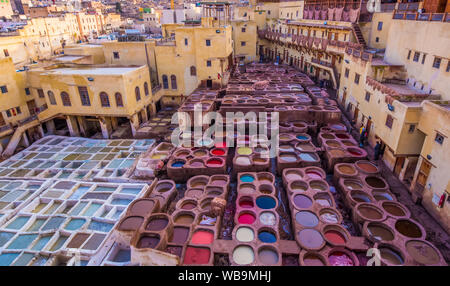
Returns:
<point x="314" y="175"/>
<point x="221" y="145"/>
<point x="202" y="237"/>
<point x="339" y="258"/>
<point x="218" y="152"/>
<point x="246" y="218"/>
<point x="195" y="255"/>
<point x="214" y="162"/>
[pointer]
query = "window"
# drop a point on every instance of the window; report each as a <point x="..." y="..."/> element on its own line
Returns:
<point x="437" y="62"/>
<point x="356" y="78"/>
<point x="448" y="66"/>
<point x="104" y="99"/>
<point x="377" y="39"/>
<point x="193" y="71"/>
<point x="380" y="26"/>
<point x="40" y="93"/>
<point x="389" y="121"/>
<point x="165" y="81"/>
<point x="84" y="96"/>
<point x="119" y="101"/>
<point x="416" y="56"/>
<point x="146" y="91"/>
<point x="367" y="96"/>
<point x="243" y="30"/>
<point x="409" y="54"/>
<point x="347" y="71"/>
<point x="65" y="98"/>
<point x="27" y="91"/>
<point x="439" y="138"/>
<point x="423" y="58"/>
<point x="4" y="89"/>
<point x="137" y="92"/>
<point x="185" y="41"/>
<point x="116" y="55"/>
<point x="18" y="110"/>
<point x="8" y="113"/>
<point x="243" y="44"/>
<point x="268" y="12"/>
<point x="5" y="51"/>
<point x="51" y="97"/>
<point x="173" y="81"/>
<point x="208" y="63"/>
<point x="412" y="127"/>
<point x="208" y="43"/>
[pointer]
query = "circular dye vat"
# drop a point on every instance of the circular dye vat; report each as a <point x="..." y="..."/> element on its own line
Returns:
<point x="214" y="162"/>
<point x="367" y="167"/>
<point x="243" y="161"/>
<point x="299" y="186"/>
<point x="288" y="157"/>
<point x="267" y="218"/>
<point x="218" y="152"/>
<point x="141" y="207"/>
<point x="375" y="182"/>
<point x="188" y="205"/>
<point x="244" y="151"/>
<point x="339" y="258"/>
<point x="266" y="189"/>
<point x="408" y="228"/>
<point x="184" y="219"/>
<point x="352" y="185"/>
<point x="302" y="137"/>
<point x="246" y="218"/>
<point x="380" y="232"/>
<point x="243" y="255"/>
<point x="311" y="259"/>
<point x="306" y="218"/>
<point x="314" y="174"/>
<point x="246" y="203"/>
<point x="308" y="157"/>
<point x="202" y="237"/>
<point x="370" y="212"/>
<point x="393" y="209"/>
<point x="178" y="164"/>
<point x="157" y="224"/>
<point x="360" y="197"/>
<point x="382" y="196"/>
<point x="335" y="237"/>
<point x="194" y="193"/>
<point x="131" y="223"/>
<point x="247" y="178"/>
<point x="268" y="256"/>
<point x="148" y="241"/>
<point x="355" y="151"/>
<point x="422" y="252"/>
<point x="391" y="256"/>
<point x="310" y="238"/>
<point x="247" y="188"/>
<point x="342" y="136"/>
<point x="346" y="169"/>
<point x="180" y="235"/>
<point x="293" y="175"/>
<point x="329" y="216"/>
<point x="265" y="202"/>
<point x="196" y="255"/>
<point x="286" y="148"/>
<point x="196" y="164"/>
<point x="267" y="237"/>
<point x="339" y="127"/>
<point x="245" y="234"/>
<point x="323" y="199"/>
<point x="302" y="201"/>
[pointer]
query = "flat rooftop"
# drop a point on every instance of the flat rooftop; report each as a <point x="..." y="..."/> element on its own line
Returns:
<point x="91" y="71"/>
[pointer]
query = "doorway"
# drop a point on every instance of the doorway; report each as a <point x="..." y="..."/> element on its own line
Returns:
<point x="209" y="83"/>
<point x="2" y="120"/>
<point x="422" y="177"/>
<point x="399" y="165"/>
<point x="31" y="107"/>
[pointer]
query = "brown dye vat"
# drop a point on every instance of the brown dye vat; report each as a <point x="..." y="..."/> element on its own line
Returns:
<point x="188" y="205"/>
<point x="375" y="182"/>
<point x="131" y="223"/>
<point x="194" y="193"/>
<point x="408" y="228"/>
<point x="391" y="256"/>
<point x="347" y="170"/>
<point x="78" y="240"/>
<point x="266" y="189"/>
<point x="214" y="191"/>
<point x="313" y="259"/>
<point x="141" y="207"/>
<point x="163" y="187"/>
<point x="367" y="167"/>
<point x="298" y="186"/>
<point x="180" y="235"/>
<point x="337" y="152"/>
<point x="94" y="242"/>
<point x="148" y="241"/>
<point x="293" y="175"/>
<point x="422" y="252"/>
<point x="394" y="209"/>
<point x="333" y="143"/>
<point x="184" y="218"/>
<point x="380" y="232"/>
<point x="369" y="212"/>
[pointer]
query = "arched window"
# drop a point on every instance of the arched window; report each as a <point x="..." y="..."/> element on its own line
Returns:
<point x="137" y="91"/>
<point x="104" y="99"/>
<point x="165" y="81"/>
<point x="51" y="97"/>
<point x="119" y="101"/>
<point x="173" y="81"/>
<point x="193" y="71"/>
<point x="146" y="89"/>
<point x="65" y="98"/>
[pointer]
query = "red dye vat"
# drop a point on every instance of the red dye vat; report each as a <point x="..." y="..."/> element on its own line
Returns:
<point x="202" y="237"/>
<point x="246" y="218"/>
<point x="354" y="152"/>
<point x="218" y="152"/>
<point x="221" y="145"/>
<point x="214" y="162"/>
<point x="335" y="237"/>
<point x="246" y="204"/>
<point x="339" y="258"/>
<point x="196" y="255"/>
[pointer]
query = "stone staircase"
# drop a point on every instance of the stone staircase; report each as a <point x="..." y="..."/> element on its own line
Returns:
<point x="358" y="34"/>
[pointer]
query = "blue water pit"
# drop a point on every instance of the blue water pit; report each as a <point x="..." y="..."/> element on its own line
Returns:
<point x="267" y="237"/>
<point x="265" y="202"/>
<point x="247" y="178"/>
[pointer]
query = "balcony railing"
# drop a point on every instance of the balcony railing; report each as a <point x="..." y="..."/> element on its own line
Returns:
<point x="414" y="16"/>
<point x="5" y="128"/>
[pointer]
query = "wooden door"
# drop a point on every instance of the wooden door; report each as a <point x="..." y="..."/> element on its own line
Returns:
<point x="344" y="97"/>
<point x="399" y="165"/>
<point x="31" y="107"/>
<point x="355" y="116"/>
<point x="368" y="126"/>
<point x="424" y="171"/>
